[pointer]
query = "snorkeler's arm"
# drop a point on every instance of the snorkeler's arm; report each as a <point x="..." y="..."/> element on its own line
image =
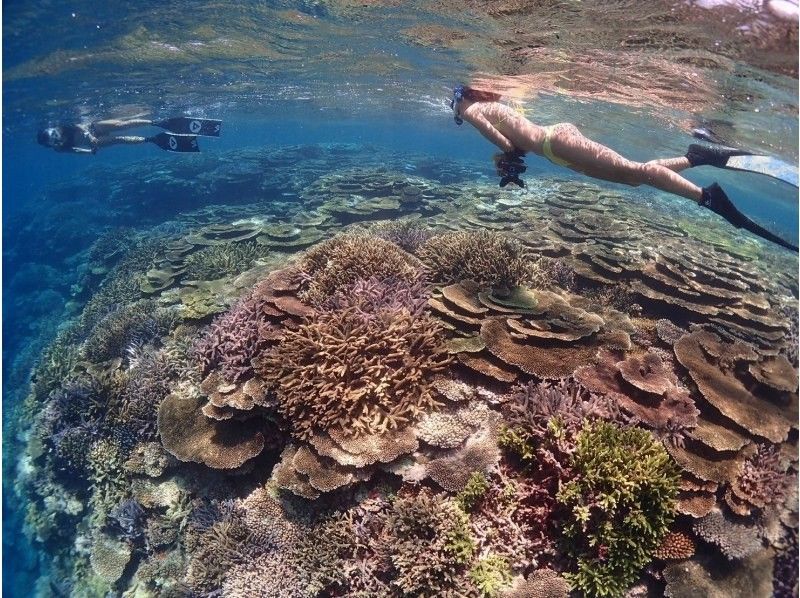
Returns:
<point x="480" y="122"/>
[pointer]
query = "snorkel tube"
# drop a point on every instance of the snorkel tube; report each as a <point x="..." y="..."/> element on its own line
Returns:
<point x="458" y="95"/>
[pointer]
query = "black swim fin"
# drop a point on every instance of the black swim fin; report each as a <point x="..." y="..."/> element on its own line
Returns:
<point x="716" y="200"/>
<point x="712" y="155"/>
<point x="175" y="143"/>
<point x="186" y="125"/>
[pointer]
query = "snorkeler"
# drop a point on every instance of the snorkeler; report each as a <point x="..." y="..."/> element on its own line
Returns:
<point x="564" y="145"/>
<point x="88" y="138"/>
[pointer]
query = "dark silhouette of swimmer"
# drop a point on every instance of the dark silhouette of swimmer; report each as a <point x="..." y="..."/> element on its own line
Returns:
<point x="564" y="145"/>
<point x="89" y="138"/>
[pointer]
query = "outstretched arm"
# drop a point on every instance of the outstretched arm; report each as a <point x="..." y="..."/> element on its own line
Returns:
<point x="487" y="129"/>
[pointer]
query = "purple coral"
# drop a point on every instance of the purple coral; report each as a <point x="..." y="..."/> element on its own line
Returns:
<point x="373" y="296"/>
<point x="128" y="519"/>
<point x="234" y="338"/>
<point x="763" y="480"/>
<point x="532" y="406"/>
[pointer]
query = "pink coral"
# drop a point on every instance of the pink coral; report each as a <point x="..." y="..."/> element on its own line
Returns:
<point x="235" y="337"/>
<point x="763" y="480"/>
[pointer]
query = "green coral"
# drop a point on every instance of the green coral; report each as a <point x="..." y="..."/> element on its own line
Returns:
<point x="491" y="575"/>
<point x="432" y="544"/>
<point x="622" y="501"/>
<point x="518" y="443"/>
<point x="473" y="492"/>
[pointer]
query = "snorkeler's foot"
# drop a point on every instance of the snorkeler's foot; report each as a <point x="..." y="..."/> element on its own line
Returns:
<point x="709" y="155"/>
<point x="716" y="200"/>
<point x="172" y="142"/>
<point x="186" y="125"/>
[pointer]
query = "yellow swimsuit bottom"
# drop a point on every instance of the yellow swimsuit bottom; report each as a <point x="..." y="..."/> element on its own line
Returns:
<point x="548" y="151"/>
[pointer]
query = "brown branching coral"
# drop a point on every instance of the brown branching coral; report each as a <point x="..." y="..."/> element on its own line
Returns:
<point x="363" y="367"/>
<point x="337" y="263"/>
<point x="490" y="259"/>
<point x="763" y="481"/>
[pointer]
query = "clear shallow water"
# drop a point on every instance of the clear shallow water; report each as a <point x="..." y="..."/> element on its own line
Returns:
<point x="374" y="75"/>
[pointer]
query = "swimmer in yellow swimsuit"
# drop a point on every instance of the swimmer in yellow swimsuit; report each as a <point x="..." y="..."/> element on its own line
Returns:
<point x="564" y="145"/>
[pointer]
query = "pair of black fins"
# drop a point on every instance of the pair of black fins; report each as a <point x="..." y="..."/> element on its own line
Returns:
<point x="183" y="132"/>
<point x="744" y="161"/>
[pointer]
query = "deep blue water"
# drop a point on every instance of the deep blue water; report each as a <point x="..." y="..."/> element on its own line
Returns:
<point x="401" y="111"/>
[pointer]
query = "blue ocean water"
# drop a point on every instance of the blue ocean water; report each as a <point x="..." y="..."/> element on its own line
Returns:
<point x="280" y="75"/>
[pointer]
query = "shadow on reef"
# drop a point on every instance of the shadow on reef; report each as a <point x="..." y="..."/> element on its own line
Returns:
<point x="398" y="388"/>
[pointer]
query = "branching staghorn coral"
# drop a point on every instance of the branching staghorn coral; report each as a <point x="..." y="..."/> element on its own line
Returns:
<point x="567" y="404"/>
<point x="149" y="382"/>
<point x="364" y="365"/>
<point x="219" y="261"/>
<point x="235" y="337"/>
<point x="620" y="504"/>
<point x="139" y="322"/>
<point x="409" y="235"/>
<point x="490" y="259"/>
<point x="337" y="263"/>
<point x="763" y="481"/>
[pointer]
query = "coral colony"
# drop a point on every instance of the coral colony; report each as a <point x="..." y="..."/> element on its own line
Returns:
<point x="399" y="389"/>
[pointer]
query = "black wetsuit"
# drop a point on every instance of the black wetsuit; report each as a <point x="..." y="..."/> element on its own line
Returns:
<point x="73" y="136"/>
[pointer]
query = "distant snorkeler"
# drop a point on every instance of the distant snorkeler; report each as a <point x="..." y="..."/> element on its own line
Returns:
<point x="88" y="138"/>
<point x="564" y="145"/>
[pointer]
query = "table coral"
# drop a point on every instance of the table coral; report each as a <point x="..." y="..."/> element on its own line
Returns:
<point x="190" y="436"/>
<point x="714" y="364"/>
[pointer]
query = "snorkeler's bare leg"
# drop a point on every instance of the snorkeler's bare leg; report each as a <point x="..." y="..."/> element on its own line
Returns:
<point x="598" y="161"/>
<point x="119" y="140"/>
<point x="674" y="164"/>
<point x="104" y="127"/>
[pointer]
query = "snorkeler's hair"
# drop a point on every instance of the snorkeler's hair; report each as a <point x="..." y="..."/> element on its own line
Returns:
<point x="478" y="95"/>
<point x="42" y="137"/>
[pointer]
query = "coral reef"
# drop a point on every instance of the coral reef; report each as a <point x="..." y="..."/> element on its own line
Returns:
<point x="482" y="396"/>
<point x="491" y="260"/>
<point x="621" y="502"/>
<point x="364" y="366"/>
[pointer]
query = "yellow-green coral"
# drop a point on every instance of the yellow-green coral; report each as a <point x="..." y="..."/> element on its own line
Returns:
<point x="621" y="502"/>
<point x="473" y="492"/>
<point x="490" y="575"/>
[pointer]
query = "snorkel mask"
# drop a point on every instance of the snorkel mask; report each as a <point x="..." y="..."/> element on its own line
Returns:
<point x="458" y="95"/>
